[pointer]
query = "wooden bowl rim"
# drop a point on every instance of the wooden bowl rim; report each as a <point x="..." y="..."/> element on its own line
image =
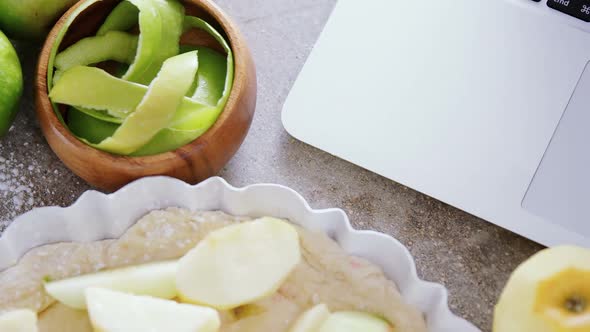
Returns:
<point x="238" y="46"/>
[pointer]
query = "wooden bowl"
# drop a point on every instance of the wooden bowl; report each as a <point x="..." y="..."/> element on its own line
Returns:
<point x="194" y="162"/>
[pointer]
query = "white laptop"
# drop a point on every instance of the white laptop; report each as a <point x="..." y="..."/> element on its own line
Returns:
<point x="482" y="104"/>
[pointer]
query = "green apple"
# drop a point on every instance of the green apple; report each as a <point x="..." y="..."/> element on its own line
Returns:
<point x="31" y="19"/>
<point x="550" y="292"/>
<point x="239" y="264"/>
<point x="154" y="279"/>
<point x="355" y="321"/>
<point x="112" y="311"/>
<point x="11" y="82"/>
<point x="23" y="320"/>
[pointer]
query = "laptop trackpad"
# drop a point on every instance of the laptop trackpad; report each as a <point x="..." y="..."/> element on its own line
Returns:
<point x="560" y="190"/>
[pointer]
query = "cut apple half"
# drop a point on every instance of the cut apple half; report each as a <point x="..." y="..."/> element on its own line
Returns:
<point x="312" y="319"/>
<point x="550" y="292"/>
<point x="239" y="264"/>
<point x="22" y="320"/>
<point x="112" y="311"/>
<point x="155" y="279"/>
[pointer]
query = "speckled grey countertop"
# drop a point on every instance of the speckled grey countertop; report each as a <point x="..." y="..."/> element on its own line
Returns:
<point x="471" y="257"/>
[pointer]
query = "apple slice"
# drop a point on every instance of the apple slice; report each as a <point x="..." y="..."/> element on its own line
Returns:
<point x="312" y="319"/>
<point x="112" y="311"/>
<point x="549" y="292"/>
<point x="155" y="279"/>
<point x="354" y="321"/>
<point x="18" y="321"/>
<point x="239" y="264"/>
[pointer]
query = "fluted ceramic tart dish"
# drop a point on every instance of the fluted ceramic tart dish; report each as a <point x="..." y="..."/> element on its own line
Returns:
<point x="159" y="219"/>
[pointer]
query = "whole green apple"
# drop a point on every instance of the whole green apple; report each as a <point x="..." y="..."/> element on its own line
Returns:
<point x="11" y="83"/>
<point x="30" y="19"/>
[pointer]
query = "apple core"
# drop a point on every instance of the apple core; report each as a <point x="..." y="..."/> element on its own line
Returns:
<point x="563" y="300"/>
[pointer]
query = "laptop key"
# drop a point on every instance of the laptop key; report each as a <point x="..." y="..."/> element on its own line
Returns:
<point x="577" y="8"/>
<point x="584" y="11"/>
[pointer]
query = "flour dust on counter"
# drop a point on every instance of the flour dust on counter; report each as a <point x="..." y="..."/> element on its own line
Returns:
<point x="16" y="189"/>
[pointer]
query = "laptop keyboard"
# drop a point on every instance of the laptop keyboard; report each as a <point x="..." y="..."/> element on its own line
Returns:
<point x="576" y="8"/>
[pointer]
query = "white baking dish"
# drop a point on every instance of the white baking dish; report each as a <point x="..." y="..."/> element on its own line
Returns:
<point x="96" y="216"/>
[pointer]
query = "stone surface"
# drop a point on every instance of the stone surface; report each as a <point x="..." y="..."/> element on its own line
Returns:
<point x="472" y="258"/>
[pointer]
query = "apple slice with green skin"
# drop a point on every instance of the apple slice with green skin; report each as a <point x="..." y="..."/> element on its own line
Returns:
<point x="155" y="279"/>
<point x="239" y="264"/>
<point x="112" y="311"/>
<point x="11" y="83"/>
<point x="355" y="321"/>
<point x="550" y="292"/>
<point x="312" y="319"/>
<point x="22" y="320"/>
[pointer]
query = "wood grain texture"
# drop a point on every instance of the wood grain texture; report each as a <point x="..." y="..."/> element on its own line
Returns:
<point x="194" y="162"/>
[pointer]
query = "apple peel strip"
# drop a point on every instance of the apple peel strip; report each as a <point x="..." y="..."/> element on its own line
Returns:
<point x="190" y="121"/>
<point x="154" y="113"/>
